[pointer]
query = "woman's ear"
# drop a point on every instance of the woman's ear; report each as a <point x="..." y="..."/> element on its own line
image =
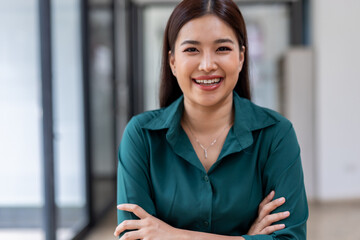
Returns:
<point x="242" y="57"/>
<point x="242" y="54"/>
<point x="172" y="63"/>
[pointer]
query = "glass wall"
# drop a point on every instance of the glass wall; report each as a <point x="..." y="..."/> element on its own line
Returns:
<point x="102" y="106"/>
<point x="21" y="197"/>
<point x="266" y="50"/>
<point x="154" y="26"/>
<point x="69" y="147"/>
<point x="21" y="119"/>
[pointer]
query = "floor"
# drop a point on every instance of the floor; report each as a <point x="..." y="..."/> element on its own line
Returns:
<point x="334" y="221"/>
<point x="330" y="221"/>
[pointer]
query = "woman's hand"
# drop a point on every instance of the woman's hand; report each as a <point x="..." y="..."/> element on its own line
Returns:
<point x="262" y="224"/>
<point x="147" y="227"/>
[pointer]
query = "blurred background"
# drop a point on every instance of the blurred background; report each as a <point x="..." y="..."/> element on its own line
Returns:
<point x="73" y="72"/>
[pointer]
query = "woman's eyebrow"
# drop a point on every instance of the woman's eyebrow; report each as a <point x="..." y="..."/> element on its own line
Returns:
<point x="221" y="40"/>
<point x="190" y="42"/>
<point x="224" y="40"/>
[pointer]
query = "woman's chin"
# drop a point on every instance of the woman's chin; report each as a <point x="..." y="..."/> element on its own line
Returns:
<point x="209" y="100"/>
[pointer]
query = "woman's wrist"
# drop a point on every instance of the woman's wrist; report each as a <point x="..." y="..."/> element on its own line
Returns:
<point x="194" y="235"/>
<point x="181" y="234"/>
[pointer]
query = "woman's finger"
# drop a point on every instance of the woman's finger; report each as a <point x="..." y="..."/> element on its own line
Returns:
<point x="135" y="209"/>
<point x="267" y="199"/>
<point x="272" y="218"/>
<point x="127" y="225"/>
<point x="269" y="207"/>
<point x="270" y="229"/>
<point x="133" y="235"/>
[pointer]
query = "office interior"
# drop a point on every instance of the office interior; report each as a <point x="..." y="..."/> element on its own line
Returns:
<point x="73" y="72"/>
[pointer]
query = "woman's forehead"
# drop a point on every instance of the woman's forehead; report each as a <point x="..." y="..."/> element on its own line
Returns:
<point x="206" y="28"/>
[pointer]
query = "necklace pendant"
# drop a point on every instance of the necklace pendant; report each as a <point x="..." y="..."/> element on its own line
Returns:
<point x="205" y="151"/>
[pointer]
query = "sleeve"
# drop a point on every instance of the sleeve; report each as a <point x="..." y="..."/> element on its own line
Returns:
<point x="283" y="173"/>
<point x="133" y="180"/>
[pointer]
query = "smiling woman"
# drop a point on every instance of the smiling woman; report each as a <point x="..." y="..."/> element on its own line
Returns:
<point x="209" y="164"/>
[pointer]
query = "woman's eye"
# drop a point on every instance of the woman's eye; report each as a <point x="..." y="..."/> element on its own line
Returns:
<point x="223" y="49"/>
<point x="191" y="50"/>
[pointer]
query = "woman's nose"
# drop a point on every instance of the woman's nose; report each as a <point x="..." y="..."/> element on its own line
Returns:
<point x="208" y="63"/>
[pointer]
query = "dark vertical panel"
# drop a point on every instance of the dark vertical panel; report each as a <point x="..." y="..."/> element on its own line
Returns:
<point x="296" y="23"/>
<point x="122" y="65"/>
<point x="114" y="78"/>
<point x="306" y="22"/>
<point x="85" y="45"/>
<point x="47" y="104"/>
<point x="136" y="81"/>
<point x="87" y="110"/>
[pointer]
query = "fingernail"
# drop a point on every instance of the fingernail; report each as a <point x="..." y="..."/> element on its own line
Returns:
<point x="282" y="225"/>
<point x="287" y="213"/>
<point x="280" y="200"/>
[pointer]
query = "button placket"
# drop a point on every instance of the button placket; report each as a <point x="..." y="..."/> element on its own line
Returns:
<point x="206" y="178"/>
<point x="207" y="203"/>
<point x="206" y="224"/>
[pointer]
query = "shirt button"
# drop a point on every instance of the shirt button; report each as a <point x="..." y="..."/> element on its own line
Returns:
<point x="206" y="178"/>
<point x="206" y="223"/>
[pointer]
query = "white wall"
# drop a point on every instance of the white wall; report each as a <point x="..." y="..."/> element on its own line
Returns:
<point x="298" y="107"/>
<point x="336" y="41"/>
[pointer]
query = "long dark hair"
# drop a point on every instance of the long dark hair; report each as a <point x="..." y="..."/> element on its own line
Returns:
<point x="187" y="10"/>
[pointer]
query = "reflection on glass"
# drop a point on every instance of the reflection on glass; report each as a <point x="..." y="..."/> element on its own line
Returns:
<point x="268" y="35"/>
<point x="154" y="27"/>
<point x="103" y="147"/>
<point x="70" y="188"/>
<point x="21" y="198"/>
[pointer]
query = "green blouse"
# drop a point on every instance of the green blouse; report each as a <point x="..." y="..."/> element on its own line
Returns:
<point x="159" y="170"/>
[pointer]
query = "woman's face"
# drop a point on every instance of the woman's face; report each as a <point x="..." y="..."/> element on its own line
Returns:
<point x="206" y="61"/>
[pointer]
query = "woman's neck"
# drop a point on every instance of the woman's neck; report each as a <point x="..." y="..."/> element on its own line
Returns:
<point x="206" y="120"/>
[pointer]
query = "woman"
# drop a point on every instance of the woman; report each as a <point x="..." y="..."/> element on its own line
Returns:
<point x="208" y="164"/>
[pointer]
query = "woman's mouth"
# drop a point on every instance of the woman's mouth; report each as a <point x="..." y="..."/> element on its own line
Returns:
<point x="208" y="82"/>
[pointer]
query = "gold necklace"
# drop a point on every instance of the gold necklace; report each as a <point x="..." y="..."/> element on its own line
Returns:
<point x="211" y="144"/>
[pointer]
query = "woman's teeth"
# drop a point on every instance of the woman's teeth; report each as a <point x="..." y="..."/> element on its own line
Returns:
<point x="210" y="81"/>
